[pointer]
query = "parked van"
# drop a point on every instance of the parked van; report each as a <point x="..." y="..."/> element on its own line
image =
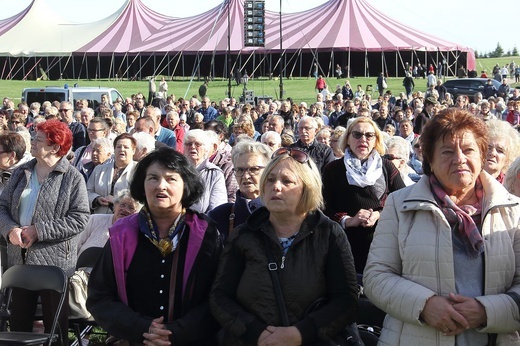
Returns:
<point x="72" y="94"/>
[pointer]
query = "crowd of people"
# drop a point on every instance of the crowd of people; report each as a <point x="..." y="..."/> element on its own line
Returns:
<point x="414" y="196"/>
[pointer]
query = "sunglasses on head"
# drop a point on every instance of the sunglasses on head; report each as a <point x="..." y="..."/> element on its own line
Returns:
<point x="358" y="135"/>
<point x="297" y="154"/>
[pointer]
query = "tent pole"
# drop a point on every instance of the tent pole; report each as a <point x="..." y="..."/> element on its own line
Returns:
<point x="33" y="68"/>
<point x="331" y="63"/>
<point x="301" y="58"/>
<point x="85" y="61"/>
<point x="3" y="69"/>
<point x="348" y="63"/>
<point x="366" y="63"/>
<point x="396" y="61"/>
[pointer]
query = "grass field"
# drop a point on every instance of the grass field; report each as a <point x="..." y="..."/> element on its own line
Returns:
<point x="301" y="89"/>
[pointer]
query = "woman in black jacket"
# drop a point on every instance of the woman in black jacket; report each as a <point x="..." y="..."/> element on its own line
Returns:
<point x="355" y="188"/>
<point x="310" y="253"/>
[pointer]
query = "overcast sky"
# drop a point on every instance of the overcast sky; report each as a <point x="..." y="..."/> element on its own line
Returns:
<point x="479" y="24"/>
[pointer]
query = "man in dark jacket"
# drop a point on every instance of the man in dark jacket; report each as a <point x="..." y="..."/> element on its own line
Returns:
<point x="319" y="152"/>
<point x="489" y="89"/>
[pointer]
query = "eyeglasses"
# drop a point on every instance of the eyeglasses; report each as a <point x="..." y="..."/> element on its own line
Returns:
<point x="358" y="135"/>
<point x="306" y="128"/>
<point x="128" y="207"/>
<point x="255" y="170"/>
<point x="64" y="110"/>
<point x="417" y="146"/>
<point x="94" y="130"/>
<point x="15" y="122"/>
<point x="391" y="157"/>
<point x="297" y="154"/>
<point x="189" y="144"/>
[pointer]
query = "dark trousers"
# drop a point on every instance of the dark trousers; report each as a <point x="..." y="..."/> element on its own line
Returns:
<point x="23" y="310"/>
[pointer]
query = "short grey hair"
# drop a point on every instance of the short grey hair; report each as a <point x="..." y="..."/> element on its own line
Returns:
<point x="200" y="135"/>
<point x="249" y="146"/>
<point x="124" y="194"/>
<point x="275" y="136"/>
<point x="500" y="129"/>
<point x="144" y="140"/>
<point x="105" y="143"/>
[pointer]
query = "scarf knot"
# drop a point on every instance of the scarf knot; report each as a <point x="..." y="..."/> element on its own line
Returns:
<point x="360" y="173"/>
<point x="461" y="216"/>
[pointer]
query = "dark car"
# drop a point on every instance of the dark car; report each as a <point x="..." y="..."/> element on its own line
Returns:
<point x="468" y="86"/>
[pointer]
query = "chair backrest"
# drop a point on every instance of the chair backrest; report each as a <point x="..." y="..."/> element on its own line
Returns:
<point x="37" y="278"/>
<point x="89" y="257"/>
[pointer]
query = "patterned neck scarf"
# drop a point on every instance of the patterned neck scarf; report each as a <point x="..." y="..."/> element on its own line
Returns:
<point x="151" y="231"/>
<point x="363" y="173"/>
<point x="462" y="215"/>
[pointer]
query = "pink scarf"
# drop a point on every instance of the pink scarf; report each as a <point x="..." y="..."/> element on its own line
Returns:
<point x="461" y="214"/>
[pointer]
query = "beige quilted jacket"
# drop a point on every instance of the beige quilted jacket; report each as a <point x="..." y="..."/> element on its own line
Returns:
<point x="411" y="259"/>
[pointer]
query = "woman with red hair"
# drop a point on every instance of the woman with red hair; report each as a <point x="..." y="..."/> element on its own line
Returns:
<point x="43" y="209"/>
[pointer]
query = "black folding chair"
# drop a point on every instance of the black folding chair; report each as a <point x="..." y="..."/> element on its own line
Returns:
<point x="35" y="278"/>
<point x="84" y="326"/>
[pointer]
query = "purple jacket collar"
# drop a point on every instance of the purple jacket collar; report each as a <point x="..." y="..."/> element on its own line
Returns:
<point x="123" y="243"/>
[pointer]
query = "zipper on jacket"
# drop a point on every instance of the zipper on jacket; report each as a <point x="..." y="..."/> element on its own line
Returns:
<point x="283" y="262"/>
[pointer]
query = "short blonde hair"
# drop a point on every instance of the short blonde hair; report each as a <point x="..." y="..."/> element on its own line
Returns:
<point x="307" y="173"/>
<point x="379" y="146"/>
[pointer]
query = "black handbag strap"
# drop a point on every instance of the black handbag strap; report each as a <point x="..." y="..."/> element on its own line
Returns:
<point x="273" y="270"/>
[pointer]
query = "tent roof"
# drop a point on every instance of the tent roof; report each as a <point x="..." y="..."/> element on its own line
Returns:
<point x="337" y="24"/>
<point x="348" y="24"/>
<point x="51" y="37"/>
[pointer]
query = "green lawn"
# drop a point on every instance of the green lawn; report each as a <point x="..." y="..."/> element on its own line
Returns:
<point x="300" y="89"/>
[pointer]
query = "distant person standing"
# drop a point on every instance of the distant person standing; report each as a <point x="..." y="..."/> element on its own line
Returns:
<point x="320" y="83"/>
<point x="381" y="84"/>
<point x="432" y="80"/>
<point x="163" y="87"/>
<point x="237" y="76"/>
<point x="152" y="88"/>
<point x="315" y="70"/>
<point x="504" y="72"/>
<point x="408" y="84"/>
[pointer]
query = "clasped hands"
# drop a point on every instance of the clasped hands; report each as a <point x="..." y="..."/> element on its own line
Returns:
<point x="454" y="314"/>
<point x="23" y="237"/>
<point x="280" y="336"/>
<point x="157" y="334"/>
<point x="364" y="218"/>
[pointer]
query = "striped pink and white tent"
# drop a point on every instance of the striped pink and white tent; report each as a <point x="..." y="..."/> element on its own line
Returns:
<point x="134" y="29"/>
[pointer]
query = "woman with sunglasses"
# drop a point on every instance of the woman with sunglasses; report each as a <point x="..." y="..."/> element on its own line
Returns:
<point x="249" y="160"/>
<point x="311" y="255"/>
<point x="355" y="188"/>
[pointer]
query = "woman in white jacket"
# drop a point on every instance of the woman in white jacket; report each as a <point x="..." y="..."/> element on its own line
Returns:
<point x="445" y="260"/>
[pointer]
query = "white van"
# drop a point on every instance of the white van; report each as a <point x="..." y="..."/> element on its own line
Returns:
<point x="72" y="94"/>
